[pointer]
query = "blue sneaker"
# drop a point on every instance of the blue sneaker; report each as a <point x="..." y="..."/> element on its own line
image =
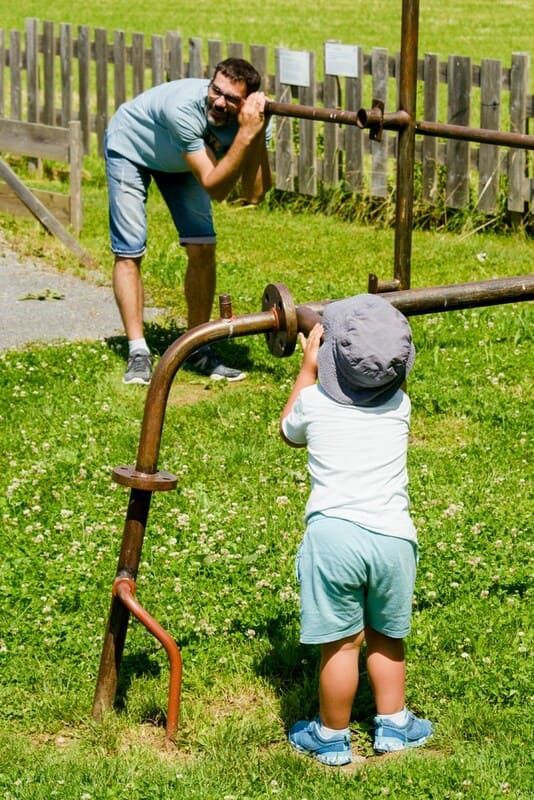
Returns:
<point x="304" y="737"/>
<point x="390" y="737"/>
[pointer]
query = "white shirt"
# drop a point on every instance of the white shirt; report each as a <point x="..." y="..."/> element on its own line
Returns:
<point x="356" y="459"/>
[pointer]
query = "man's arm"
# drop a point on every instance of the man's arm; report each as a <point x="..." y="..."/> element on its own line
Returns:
<point x="219" y="178"/>
<point x="256" y="177"/>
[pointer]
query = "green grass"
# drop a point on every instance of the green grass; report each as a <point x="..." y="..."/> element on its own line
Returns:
<point x="464" y="27"/>
<point x="217" y="565"/>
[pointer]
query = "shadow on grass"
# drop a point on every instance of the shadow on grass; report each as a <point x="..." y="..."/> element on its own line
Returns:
<point x="135" y="665"/>
<point x="292" y="669"/>
<point x="160" y="337"/>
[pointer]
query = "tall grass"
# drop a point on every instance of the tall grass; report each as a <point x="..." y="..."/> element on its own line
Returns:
<point x="463" y="27"/>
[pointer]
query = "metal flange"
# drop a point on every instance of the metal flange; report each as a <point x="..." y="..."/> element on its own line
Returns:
<point x="281" y="342"/>
<point x="151" y="482"/>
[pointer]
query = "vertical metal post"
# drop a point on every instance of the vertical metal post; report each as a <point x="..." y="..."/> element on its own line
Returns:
<point x="130" y="555"/>
<point x="406" y="143"/>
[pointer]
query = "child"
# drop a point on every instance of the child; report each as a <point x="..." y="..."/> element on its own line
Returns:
<point x="356" y="563"/>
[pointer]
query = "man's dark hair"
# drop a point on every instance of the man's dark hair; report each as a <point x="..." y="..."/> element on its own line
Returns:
<point x="237" y="69"/>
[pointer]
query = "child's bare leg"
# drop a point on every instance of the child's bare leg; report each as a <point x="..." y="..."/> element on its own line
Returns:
<point x="387" y="671"/>
<point x="338" y="680"/>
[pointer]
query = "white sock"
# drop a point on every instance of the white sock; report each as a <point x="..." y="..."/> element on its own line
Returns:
<point x="136" y="345"/>
<point x="400" y="718"/>
<point x="331" y="733"/>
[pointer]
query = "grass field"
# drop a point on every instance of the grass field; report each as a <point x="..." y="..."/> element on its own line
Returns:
<point x="217" y="566"/>
<point x="217" y="563"/>
<point x="463" y="27"/>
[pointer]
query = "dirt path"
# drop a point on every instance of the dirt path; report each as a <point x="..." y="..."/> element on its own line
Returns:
<point x="40" y="304"/>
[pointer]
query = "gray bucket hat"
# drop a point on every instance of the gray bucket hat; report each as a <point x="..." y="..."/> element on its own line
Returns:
<point x="367" y="350"/>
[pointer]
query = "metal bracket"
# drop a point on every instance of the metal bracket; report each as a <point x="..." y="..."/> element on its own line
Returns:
<point x="376" y="121"/>
<point x="376" y="286"/>
<point x="156" y="482"/>
<point x="283" y="341"/>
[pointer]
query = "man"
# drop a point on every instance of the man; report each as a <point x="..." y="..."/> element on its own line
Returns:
<point x="196" y="138"/>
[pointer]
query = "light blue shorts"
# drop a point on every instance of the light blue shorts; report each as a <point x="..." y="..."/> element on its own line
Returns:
<point x="350" y="578"/>
<point x="188" y="203"/>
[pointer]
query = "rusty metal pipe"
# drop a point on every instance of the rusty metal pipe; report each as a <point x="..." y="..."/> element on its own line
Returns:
<point x="453" y="297"/>
<point x="124" y="589"/>
<point x="300" y="318"/>
<point x="312" y="112"/>
<point x="115" y="635"/>
<point x="392" y="120"/>
<point x="482" y="135"/>
<point x="406" y="144"/>
<point x="170" y="362"/>
<point x="144" y="479"/>
<point x="397" y="121"/>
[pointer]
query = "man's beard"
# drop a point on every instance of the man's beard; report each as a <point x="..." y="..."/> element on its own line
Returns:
<point x="217" y="118"/>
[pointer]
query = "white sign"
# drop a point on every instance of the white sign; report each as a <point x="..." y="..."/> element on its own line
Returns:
<point x="341" y="59"/>
<point x="294" y="67"/>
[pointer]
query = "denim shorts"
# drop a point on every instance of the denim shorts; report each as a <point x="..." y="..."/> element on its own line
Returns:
<point x="350" y="578"/>
<point x="188" y="203"/>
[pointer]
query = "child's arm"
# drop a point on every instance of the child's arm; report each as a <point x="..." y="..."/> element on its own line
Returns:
<point x="307" y="375"/>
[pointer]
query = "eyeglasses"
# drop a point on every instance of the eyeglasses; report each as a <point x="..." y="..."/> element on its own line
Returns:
<point x="232" y="99"/>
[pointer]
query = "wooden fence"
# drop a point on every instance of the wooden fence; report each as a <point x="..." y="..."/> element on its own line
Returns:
<point x="53" y="74"/>
<point x="46" y="142"/>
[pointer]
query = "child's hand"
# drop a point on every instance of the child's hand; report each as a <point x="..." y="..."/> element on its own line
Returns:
<point x="310" y="347"/>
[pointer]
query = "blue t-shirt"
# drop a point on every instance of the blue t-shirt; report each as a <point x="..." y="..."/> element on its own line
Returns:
<point x="157" y="127"/>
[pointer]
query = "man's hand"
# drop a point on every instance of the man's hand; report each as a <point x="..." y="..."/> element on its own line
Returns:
<point x="247" y="153"/>
<point x="251" y="115"/>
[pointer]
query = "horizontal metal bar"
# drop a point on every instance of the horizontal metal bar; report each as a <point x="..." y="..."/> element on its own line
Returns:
<point x="482" y="135"/>
<point x="312" y="112"/>
<point x="374" y="119"/>
<point x="454" y="297"/>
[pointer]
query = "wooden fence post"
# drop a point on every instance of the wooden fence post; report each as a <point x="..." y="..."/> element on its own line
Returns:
<point x="15" y="76"/>
<point x="258" y="59"/>
<point x="158" y="60"/>
<point x="2" y="71"/>
<point x="379" y="150"/>
<point x="119" y="68"/>
<point x="307" y="162"/>
<point x="235" y="50"/>
<point x="49" y="79"/>
<point x="488" y="154"/>
<point x="354" y="174"/>
<point x="215" y="55"/>
<point x="75" y="183"/>
<point x="195" y="58"/>
<point x="519" y="82"/>
<point x="32" y="74"/>
<point x="138" y="64"/>
<point x="332" y="133"/>
<point x="176" y="66"/>
<point x="284" y="146"/>
<point x="65" y="56"/>
<point x="430" y="113"/>
<point x="101" y="56"/>
<point x="459" y="86"/>
<point x="84" y="64"/>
